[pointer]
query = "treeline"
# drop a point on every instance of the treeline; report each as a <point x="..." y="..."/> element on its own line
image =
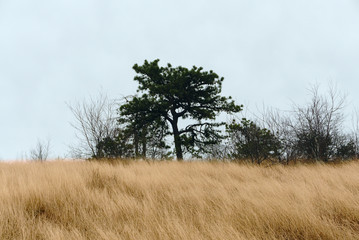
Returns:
<point x="174" y="115"/>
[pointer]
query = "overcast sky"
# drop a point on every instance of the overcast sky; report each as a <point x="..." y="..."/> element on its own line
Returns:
<point x="53" y="52"/>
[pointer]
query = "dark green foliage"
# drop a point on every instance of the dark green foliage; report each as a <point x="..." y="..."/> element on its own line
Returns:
<point x="108" y="148"/>
<point x="251" y="141"/>
<point x="117" y="147"/>
<point x="347" y="150"/>
<point x="170" y="94"/>
<point x="146" y="132"/>
<point x="313" y="144"/>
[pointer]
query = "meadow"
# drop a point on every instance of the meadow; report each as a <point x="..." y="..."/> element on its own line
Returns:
<point x="178" y="200"/>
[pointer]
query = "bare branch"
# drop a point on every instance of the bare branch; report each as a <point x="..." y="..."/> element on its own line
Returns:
<point x="41" y="151"/>
<point x="94" y="120"/>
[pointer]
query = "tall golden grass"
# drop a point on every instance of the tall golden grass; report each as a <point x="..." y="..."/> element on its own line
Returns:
<point x="171" y="200"/>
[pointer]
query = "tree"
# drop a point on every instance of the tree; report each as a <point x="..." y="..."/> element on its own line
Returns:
<point x="147" y="133"/>
<point x="171" y="94"/>
<point x="346" y="149"/>
<point x="280" y="125"/>
<point x="117" y="146"/>
<point x="354" y="134"/>
<point x="95" y="121"/>
<point x="318" y="125"/>
<point x="41" y="151"/>
<point x="250" y="141"/>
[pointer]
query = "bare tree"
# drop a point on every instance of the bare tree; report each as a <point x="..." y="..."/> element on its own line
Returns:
<point x="355" y="126"/>
<point x="318" y="126"/>
<point x="354" y="134"/>
<point x="280" y="124"/>
<point x="94" y="121"/>
<point x="41" y="151"/>
<point x="312" y="131"/>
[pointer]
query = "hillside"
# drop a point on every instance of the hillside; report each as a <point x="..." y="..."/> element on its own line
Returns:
<point x="171" y="200"/>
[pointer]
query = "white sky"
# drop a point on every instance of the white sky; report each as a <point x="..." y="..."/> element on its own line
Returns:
<point x="52" y="52"/>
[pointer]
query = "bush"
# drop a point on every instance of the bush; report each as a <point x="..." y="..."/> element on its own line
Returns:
<point x="250" y="141"/>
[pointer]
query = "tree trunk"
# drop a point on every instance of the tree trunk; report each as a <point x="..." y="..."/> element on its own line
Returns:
<point x="144" y="147"/>
<point x="136" y="142"/>
<point x="178" y="147"/>
<point x="177" y="139"/>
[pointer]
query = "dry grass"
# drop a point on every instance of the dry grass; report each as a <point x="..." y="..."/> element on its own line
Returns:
<point x="170" y="200"/>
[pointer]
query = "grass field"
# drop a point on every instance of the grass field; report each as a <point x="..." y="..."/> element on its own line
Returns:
<point x="171" y="200"/>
